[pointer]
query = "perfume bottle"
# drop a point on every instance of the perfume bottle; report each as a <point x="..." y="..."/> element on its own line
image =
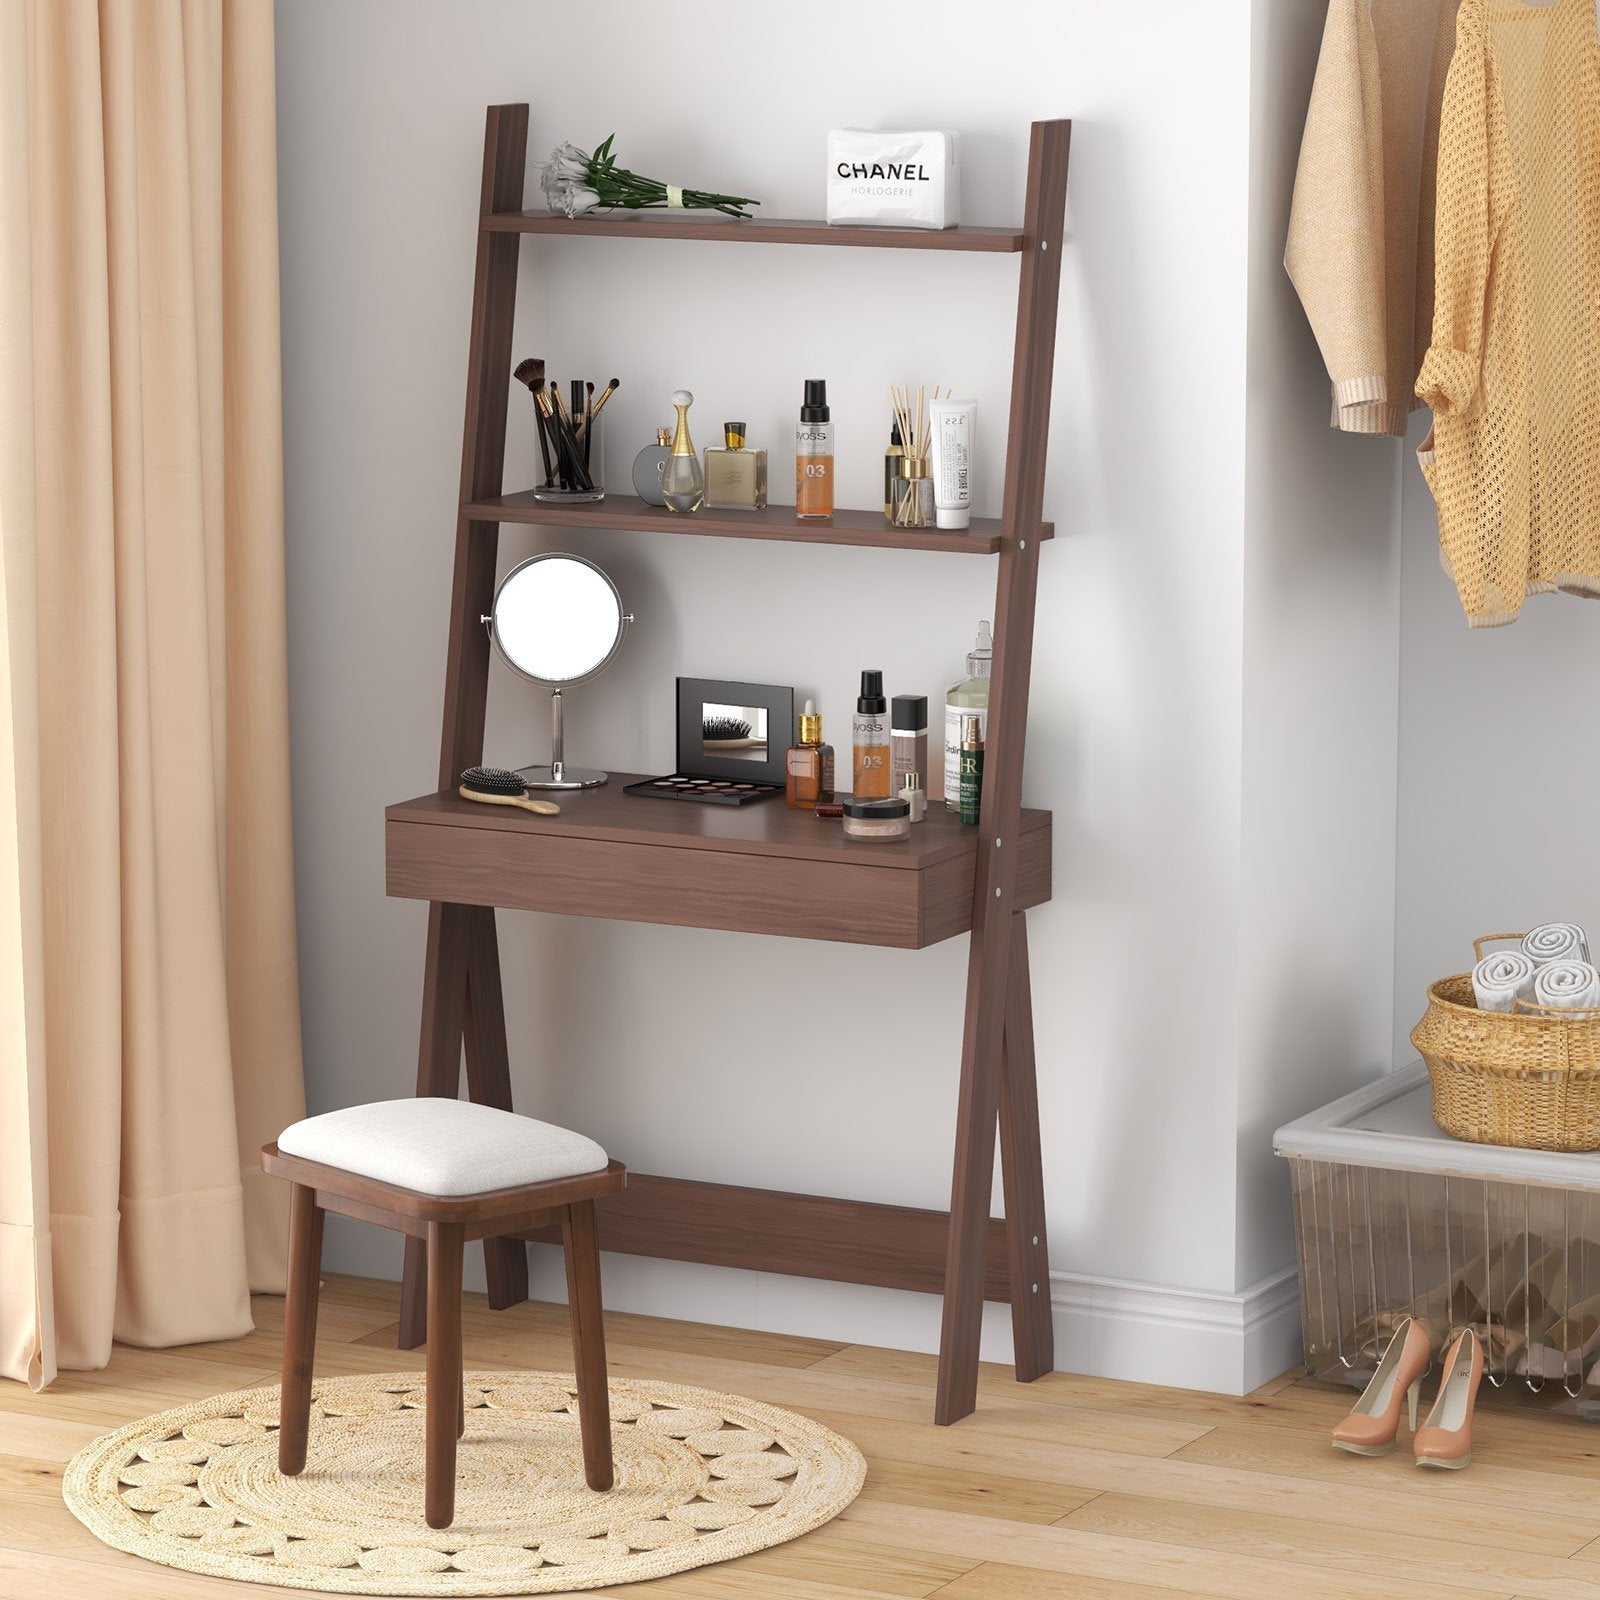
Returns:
<point x="891" y="472"/>
<point x="649" y="466"/>
<point x="869" y="741"/>
<point x="808" y="768"/>
<point x="735" y="477"/>
<point x="971" y="694"/>
<point x="813" y="454"/>
<point x="683" y="485"/>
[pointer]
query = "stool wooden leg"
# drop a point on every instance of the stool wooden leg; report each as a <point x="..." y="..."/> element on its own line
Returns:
<point x="588" y="1340"/>
<point x="299" y="1327"/>
<point x="444" y="1369"/>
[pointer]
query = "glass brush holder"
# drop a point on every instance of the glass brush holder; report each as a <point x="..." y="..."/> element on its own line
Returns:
<point x="578" y="464"/>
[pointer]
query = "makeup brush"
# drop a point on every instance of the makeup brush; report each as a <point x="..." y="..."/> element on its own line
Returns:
<point x="588" y="419"/>
<point x="495" y="786"/>
<point x="531" y="372"/>
<point x="600" y="404"/>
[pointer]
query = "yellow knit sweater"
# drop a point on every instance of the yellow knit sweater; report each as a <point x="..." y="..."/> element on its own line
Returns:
<point x="1513" y="373"/>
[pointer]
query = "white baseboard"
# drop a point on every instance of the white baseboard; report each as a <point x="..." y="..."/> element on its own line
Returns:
<point x="1183" y="1338"/>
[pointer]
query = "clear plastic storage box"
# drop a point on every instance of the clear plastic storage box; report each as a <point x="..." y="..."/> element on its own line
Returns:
<point x="1396" y="1218"/>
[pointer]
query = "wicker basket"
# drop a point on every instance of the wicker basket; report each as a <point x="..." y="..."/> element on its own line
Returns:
<point x="1529" y="1077"/>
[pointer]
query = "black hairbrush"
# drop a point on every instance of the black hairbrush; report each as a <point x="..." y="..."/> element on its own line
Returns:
<point x="717" y="730"/>
<point x="495" y="786"/>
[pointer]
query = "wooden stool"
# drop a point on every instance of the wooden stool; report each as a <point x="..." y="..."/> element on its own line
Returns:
<point x="443" y="1171"/>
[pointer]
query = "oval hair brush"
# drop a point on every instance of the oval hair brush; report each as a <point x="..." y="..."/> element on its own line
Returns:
<point x="495" y="786"/>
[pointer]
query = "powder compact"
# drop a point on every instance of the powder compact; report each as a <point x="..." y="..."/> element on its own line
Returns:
<point x="877" y="821"/>
<point x="731" y="743"/>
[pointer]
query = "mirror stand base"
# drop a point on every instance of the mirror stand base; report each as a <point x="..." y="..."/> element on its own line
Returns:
<point x="563" y="778"/>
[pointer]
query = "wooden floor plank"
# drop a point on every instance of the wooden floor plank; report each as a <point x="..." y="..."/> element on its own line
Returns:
<point x="1101" y="1556"/>
<point x="937" y="1487"/>
<point x="996" y="1581"/>
<point x="1401" y="1558"/>
<point x="1395" y="1503"/>
<point x="1556" y="1508"/>
<point x="833" y="1554"/>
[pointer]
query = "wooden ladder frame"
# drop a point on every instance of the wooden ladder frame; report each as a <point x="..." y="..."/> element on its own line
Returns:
<point x="462" y="997"/>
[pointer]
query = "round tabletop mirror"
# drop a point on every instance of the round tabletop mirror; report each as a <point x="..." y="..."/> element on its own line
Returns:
<point x="558" y="620"/>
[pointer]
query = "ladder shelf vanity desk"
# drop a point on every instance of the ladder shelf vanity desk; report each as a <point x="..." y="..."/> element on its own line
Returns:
<point x="764" y="868"/>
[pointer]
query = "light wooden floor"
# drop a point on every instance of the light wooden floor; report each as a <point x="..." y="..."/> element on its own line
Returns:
<point x="1068" y="1487"/>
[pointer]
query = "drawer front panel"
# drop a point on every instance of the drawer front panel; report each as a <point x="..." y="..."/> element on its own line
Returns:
<point x="648" y="883"/>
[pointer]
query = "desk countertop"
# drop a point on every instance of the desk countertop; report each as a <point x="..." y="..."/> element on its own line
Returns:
<point x="768" y="828"/>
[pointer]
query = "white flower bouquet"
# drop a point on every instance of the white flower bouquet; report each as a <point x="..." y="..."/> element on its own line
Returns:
<point x="575" y="182"/>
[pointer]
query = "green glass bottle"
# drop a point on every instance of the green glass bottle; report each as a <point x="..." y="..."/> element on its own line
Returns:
<point x="970" y="806"/>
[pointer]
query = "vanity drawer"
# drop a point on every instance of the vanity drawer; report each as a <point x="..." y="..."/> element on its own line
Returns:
<point x="838" y="893"/>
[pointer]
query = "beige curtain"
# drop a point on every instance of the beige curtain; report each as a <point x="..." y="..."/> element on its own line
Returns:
<point x="149" y="1022"/>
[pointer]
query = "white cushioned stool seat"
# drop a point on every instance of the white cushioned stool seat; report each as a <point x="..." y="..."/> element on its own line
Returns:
<point x="442" y="1147"/>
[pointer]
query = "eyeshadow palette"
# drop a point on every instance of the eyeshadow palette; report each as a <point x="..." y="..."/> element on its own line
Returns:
<point x="710" y="791"/>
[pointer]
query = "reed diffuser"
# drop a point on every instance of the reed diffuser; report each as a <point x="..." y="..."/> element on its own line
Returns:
<point x="913" y="503"/>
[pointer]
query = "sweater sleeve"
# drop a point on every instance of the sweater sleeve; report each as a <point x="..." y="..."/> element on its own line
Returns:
<point x="1335" y="249"/>
<point x="1469" y="201"/>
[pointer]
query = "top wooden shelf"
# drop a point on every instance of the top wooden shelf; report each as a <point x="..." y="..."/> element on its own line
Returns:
<point x="754" y="230"/>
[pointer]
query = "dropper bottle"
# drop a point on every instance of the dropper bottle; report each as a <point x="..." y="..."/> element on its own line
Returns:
<point x="967" y="698"/>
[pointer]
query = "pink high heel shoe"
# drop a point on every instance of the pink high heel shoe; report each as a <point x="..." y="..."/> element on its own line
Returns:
<point x="1374" y="1420"/>
<point x="1445" y="1439"/>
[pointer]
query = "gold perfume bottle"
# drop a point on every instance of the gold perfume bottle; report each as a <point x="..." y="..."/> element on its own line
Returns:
<point x="683" y="486"/>
<point x="736" y="478"/>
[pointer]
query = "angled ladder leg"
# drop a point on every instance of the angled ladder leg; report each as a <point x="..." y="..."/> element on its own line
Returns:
<point x="444" y="1004"/>
<point x="466" y="685"/>
<point x="299" y="1328"/>
<point x="1022" y="1172"/>
<point x="489" y="1083"/>
<point x="995" y="878"/>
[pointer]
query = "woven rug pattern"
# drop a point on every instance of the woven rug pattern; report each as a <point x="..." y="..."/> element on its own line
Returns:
<point x="700" y="1477"/>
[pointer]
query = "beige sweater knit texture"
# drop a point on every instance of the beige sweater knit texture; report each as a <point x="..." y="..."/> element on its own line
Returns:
<point x="1513" y="373"/>
<point x="1361" y="223"/>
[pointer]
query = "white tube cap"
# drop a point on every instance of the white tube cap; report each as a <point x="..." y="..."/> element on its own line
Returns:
<point x="953" y="516"/>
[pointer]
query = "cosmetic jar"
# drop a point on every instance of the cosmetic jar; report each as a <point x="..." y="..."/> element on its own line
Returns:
<point x="877" y="821"/>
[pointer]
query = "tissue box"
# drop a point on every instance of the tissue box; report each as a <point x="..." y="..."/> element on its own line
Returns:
<point x="893" y="180"/>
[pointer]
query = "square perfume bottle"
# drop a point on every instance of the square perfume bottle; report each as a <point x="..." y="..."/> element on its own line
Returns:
<point x="736" y="478"/>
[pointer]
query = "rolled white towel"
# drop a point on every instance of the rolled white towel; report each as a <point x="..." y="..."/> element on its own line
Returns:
<point x="1502" y="977"/>
<point x="1556" y="941"/>
<point x="1573" y="984"/>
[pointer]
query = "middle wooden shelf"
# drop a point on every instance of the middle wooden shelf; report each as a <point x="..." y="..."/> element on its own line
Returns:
<point x="626" y="511"/>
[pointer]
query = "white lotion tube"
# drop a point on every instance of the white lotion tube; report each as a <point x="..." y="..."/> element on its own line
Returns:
<point x="955" y="423"/>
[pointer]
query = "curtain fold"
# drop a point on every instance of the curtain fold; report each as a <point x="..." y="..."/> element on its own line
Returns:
<point x="149" y="1022"/>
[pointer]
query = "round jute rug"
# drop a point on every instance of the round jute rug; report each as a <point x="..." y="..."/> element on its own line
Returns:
<point x="700" y="1477"/>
